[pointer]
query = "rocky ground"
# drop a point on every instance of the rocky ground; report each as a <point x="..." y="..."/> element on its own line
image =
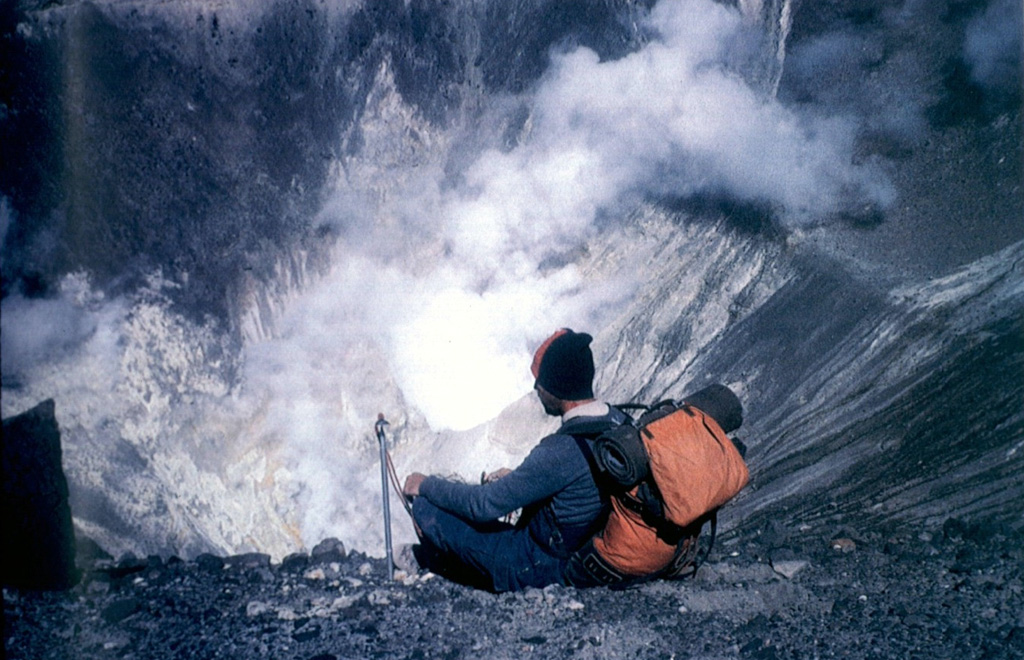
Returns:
<point x="955" y="592"/>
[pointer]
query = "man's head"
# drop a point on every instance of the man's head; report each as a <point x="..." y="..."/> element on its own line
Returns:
<point x="563" y="367"/>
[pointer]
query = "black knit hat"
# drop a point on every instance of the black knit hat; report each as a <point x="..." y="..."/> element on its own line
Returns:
<point x="564" y="365"/>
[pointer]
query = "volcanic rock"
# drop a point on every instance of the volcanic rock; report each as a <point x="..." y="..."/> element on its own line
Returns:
<point x="894" y="597"/>
<point x="38" y="537"/>
<point x="328" y="550"/>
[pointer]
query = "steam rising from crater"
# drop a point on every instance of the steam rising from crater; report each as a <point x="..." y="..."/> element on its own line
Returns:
<point x="461" y="306"/>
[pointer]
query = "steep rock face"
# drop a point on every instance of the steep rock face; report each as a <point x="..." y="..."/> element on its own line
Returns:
<point x="864" y="404"/>
<point x="38" y="540"/>
<point x="867" y="407"/>
<point x="146" y="136"/>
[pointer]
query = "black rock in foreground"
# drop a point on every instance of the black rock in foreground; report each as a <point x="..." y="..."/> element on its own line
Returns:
<point x="38" y="538"/>
<point x="952" y="593"/>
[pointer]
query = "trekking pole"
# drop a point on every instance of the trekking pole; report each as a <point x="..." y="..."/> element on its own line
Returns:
<point x="382" y="439"/>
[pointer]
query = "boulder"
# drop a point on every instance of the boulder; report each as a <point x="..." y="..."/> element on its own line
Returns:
<point x="295" y="562"/>
<point x="328" y="550"/>
<point x="210" y="562"/>
<point x="248" y="560"/>
<point x="38" y="536"/>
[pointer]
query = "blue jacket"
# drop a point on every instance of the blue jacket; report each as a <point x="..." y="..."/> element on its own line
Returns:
<point x="554" y="486"/>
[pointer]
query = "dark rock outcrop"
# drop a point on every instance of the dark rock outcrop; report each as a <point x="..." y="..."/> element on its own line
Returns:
<point x="38" y="537"/>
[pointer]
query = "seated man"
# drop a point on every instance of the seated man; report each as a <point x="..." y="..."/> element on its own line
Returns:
<point x="461" y="536"/>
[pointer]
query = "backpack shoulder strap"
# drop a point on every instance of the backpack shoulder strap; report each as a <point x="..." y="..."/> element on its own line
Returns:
<point x="590" y="430"/>
<point x="588" y="453"/>
<point x="581" y="436"/>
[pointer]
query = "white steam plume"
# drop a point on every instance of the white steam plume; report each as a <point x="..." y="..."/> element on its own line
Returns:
<point x="672" y="119"/>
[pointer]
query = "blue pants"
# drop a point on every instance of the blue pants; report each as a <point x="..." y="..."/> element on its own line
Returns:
<point x="492" y="556"/>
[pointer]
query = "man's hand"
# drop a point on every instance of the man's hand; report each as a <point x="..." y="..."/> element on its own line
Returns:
<point x="494" y="476"/>
<point x="412" y="484"/>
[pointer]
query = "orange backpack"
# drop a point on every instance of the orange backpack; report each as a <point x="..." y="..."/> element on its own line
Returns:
<point x="666" y="475"/>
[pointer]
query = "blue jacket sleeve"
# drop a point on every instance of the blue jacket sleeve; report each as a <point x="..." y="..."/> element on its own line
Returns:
<point x="541" y="475"/>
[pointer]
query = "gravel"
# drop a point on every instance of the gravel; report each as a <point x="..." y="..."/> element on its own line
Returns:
<point x="954" y="592"/>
